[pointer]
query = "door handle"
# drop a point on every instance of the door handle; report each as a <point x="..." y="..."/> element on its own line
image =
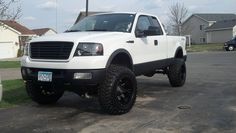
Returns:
<point x="155" y="42"/>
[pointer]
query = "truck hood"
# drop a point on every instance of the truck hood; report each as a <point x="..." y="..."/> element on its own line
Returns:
<point x="76" y="37"/>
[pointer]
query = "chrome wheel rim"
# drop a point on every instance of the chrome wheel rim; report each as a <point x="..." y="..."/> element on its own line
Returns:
<point x="231" y="48"/>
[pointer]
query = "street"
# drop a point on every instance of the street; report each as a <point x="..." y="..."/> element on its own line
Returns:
<point x="207" y="103"/>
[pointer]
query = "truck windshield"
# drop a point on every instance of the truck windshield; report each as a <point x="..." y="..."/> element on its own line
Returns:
<point x="105" y="22"/>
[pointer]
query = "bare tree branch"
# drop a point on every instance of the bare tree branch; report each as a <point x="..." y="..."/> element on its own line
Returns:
<point x="178" y="13"/>
<point x="10" y="10"/>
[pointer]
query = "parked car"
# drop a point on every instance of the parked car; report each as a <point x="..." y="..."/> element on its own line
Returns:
<point x="230" y="45"/>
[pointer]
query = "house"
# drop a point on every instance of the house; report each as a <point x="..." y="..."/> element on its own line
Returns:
<point x="220" y="31"/>
<point x="12" y="37"/>
<point x="83" y="15"/>
<point x="234" y="31"/>
<point x="44" y="31"/>
<point x="196" y="24"/>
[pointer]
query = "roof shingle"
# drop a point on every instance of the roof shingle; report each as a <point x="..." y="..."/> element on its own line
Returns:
<point x="42" y="31"/>
<point x="216" y="17"/>
<point x="18" y="27"/>
<point x="222" y="25"/>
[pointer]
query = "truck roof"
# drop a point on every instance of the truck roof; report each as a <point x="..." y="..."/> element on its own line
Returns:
<point x="135" y="13"/>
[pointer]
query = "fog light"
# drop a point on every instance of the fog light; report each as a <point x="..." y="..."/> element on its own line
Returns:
<point x="28" y="71"/>
<point x="82" y="75"/>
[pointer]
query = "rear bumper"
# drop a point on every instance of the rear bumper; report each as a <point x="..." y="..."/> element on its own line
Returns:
<point x="64" y="76"/>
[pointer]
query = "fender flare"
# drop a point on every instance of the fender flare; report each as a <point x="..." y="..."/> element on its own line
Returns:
<point x="177" y="50"/>
<point x="115" y="53"/>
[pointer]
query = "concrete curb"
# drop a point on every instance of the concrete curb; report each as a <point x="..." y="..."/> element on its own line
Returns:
<point x="11" y="59"/>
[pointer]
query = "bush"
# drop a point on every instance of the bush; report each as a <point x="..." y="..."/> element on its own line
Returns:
<point x="20" y="53"/>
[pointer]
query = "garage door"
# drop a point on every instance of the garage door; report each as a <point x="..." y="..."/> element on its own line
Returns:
<point x="8" y="50"/>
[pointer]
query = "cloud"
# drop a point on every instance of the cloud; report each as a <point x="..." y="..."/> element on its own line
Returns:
<point x="29" y="18"/>
<point x="49" y="5"/>
<point x="106" y="8"/>
<point x="68" y="10"/>
<point x="69" y="21"/>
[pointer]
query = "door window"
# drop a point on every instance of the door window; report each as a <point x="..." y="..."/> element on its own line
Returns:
<point x="157" y="26"/>
<point x="143" y="23"/>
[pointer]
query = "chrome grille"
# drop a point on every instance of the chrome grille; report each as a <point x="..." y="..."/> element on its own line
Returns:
<point x="50" y="50"/>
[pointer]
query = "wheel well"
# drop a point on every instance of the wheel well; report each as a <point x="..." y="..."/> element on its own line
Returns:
<point x="123" y="59"/>
<point x="179" y="53"/>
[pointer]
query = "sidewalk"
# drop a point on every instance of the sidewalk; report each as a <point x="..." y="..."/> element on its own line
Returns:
<point x="11" y="59"/>
<point x="10" y="73"/>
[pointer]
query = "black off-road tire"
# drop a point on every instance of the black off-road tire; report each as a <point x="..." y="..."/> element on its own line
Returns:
<point x="44" y="94"/>
<point x="117" y="94"/>
<point x="177" y="73"/>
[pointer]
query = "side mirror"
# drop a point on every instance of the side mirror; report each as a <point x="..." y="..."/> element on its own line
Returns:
<point x="152" y="30"/>
<point x="139" y="34"/>
<point x="149" y="32"/>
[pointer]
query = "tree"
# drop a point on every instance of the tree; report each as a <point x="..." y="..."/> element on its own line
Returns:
<point x="10" y="10"/>
<point x="178" y="13"/>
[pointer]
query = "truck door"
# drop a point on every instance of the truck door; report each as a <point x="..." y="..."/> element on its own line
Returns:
<point x="144" y="44"/>
<point x="159" y="40"/>
<point x="151" y="46"/>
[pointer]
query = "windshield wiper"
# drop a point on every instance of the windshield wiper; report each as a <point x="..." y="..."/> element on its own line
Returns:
<point x="97" y="30"/>
<point x="72" y="31"/>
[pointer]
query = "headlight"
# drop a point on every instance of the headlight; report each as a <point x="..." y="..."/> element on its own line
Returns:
<point x="89" y="49"/>
<point x="26" y="49"/>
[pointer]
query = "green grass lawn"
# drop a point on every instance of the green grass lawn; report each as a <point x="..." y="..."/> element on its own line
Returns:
<point x="9" y="64"/>
<point x="14" y="93"/>
<point x="205" y="47"/>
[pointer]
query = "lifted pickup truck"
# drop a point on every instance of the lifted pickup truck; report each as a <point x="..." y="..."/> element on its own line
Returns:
<point x="101" y="56"/>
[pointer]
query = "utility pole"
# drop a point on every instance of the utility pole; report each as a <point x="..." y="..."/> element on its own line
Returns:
<point x="56" y="16"/>
<point x="87" y="3"/>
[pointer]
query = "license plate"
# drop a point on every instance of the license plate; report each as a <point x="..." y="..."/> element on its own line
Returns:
<point x="45" y="76"/>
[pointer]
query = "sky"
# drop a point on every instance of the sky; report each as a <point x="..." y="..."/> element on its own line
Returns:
<point x="61" y="14"/>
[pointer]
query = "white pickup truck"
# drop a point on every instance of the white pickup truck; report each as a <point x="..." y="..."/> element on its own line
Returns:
<point x="101" y="56"/>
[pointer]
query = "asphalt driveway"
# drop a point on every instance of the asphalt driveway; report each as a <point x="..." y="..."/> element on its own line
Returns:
<point x="207" y="103"/>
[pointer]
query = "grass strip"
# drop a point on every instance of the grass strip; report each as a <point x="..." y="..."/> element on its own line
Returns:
<point x="14" y="93"/>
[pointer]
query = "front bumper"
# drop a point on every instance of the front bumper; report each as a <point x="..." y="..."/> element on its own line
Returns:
<point x="225" y="45"/>
<point x="65" y="76"/>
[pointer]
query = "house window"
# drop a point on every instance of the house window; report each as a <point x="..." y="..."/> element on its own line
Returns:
<point x="203" y="40"/>
<point x="201" y="27"/>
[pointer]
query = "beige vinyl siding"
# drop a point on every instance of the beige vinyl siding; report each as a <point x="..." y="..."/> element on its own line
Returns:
<point x="6" y="35"/>
<point x="9" y="43"/>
